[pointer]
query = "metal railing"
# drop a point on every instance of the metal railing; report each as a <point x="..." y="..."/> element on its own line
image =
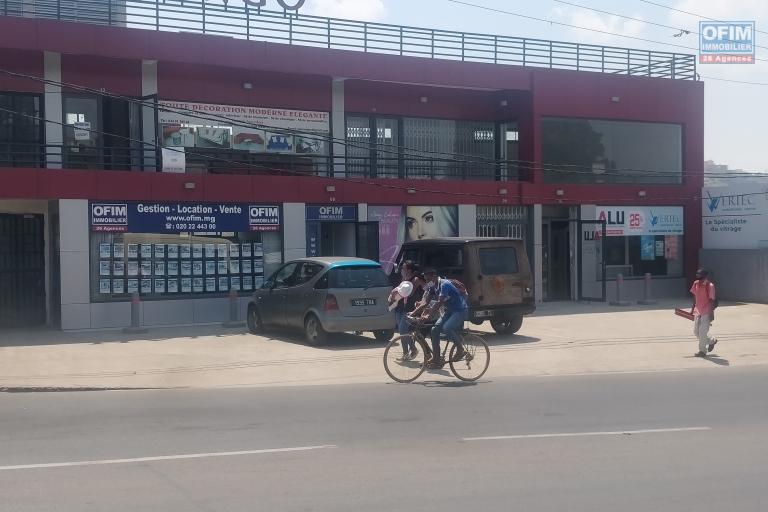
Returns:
<point x="216" y="161"/>
<point x="254" y="24"/>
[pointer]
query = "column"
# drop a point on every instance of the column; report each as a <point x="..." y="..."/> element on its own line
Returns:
<point x="338" y="128"/>
<point x="75" y="270"/>
<point x="149" y="130"/>
<point x="538" y="256"/>
<point x="467" y="220"/>
<point x="362" y="212"/>
<point x="54" y="110"/>
<point x="294" y="230"/>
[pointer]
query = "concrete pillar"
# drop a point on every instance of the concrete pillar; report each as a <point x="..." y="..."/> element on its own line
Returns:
<point x="362" y="212"/>
<point x="54" y="110"/>
<point x="538" y="256"/>
<point x="467" y="220"/>
<point x="294" y="230"/>
<point x="338" y="127"/>
<point x="74" y="264"/>
<point x="149" y="130"/>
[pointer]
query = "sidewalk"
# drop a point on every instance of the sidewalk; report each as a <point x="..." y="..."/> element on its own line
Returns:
<point x="560" y="339"/>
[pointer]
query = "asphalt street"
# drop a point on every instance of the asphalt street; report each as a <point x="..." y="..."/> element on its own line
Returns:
<point x="688" y="440"/>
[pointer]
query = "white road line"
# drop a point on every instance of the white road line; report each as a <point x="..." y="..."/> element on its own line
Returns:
<point x="585" y="434"/>
<point x="598" y="373"/>
<point x="164" y="457"/>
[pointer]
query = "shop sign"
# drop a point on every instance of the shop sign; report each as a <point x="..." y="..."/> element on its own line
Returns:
<point x="333" y="212"/>
<point x="280" y="118"/>
<point x="641" y="220"/>
<point x="735" y="217"/>
<point x="82" y="131"/>
<point x="174" y="160"/>
<point x="143" y="217"/>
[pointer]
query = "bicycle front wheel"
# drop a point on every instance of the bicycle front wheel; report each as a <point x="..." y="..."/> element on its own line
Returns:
<point x="399" y="365"/>
<point x="475" y="362"/>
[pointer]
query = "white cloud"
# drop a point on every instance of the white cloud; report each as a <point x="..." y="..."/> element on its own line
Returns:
<point x="363" y="10"/>
<point x="605" y="23"/>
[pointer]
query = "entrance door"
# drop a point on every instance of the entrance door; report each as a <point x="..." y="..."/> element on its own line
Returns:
<point x="559" y="261"/>
<point x="22" y="270"/>
<point x="592" y="260"/>
<point x="368" y="240"/>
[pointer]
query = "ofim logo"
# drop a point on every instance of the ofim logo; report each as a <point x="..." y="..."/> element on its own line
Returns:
<point x="727" y="42"/>
<point x="109" y="217"/>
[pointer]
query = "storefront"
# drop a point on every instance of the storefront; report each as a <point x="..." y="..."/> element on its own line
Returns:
<point x="334" y="230"/>
<point x="166" y="251"/>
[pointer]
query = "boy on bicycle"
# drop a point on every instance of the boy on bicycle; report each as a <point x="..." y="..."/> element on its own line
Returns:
<point x="441" y="293"/>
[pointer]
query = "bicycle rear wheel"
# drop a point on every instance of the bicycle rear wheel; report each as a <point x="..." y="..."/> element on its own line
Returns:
<point x="403" y="370"/>
<point x="475" y="362"/>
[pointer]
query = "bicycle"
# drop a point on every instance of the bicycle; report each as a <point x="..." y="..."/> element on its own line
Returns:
<point x="469" y="368"/>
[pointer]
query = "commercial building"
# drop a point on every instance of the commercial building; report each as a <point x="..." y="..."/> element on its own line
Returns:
<point x="145" y="153"/>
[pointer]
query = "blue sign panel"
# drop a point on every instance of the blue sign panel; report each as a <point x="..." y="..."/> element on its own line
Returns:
<point x="730" y="42"/>
<point x="332" y="212"/>
<point x="143" y="217"/>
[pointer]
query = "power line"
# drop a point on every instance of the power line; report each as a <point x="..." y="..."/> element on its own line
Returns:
<point x="689" y="13"/>
<point x="553" y="22"/>
<point x="744" y="82"/>
<point x="682" y="30"/>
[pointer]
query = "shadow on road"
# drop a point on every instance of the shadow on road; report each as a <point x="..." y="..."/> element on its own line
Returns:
<point x="336" y="340"/>
<point x="494" y="340"/>
<point x="591" y="308"/>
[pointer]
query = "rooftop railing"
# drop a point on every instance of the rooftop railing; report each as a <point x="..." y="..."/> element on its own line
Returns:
<point x="255" y="24"/>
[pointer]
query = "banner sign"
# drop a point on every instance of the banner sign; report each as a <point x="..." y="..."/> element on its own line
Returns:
<point x="174" y="160"/>
<point x="731" y="42"/>
<point x="332" y="213"/>
<point x="270" y="118"/>
<point x="641" y="220"/>
<point x="143" y="217"/>
<point x="735" y="217"/>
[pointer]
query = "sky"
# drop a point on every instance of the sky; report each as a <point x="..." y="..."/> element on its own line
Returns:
<point x="736" y="115"/>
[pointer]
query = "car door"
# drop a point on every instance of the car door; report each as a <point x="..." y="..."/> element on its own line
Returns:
<point x="272" y="302"/>
<point x="302" y="295"/>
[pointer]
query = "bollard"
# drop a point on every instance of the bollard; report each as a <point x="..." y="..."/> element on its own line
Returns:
<point x="135" y="327"/>
<point x="647" y="300"/>
<point x="234" y="312"/>
<point x="619" y="292"/>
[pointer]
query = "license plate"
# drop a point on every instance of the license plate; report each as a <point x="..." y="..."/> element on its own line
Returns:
<point x="363" y="302"/>
<point x="483" y="314"/>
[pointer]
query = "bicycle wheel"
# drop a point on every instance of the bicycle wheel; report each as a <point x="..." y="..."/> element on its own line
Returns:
<point x="475" y="363"/>
<point x="403" y="370"/>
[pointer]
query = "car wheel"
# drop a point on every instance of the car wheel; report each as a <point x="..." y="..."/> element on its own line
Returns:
<point x="255" y="324"/>
<point x="507" y="325"/>
<point x="314" y="332"/>
<point x="384" y="335"/>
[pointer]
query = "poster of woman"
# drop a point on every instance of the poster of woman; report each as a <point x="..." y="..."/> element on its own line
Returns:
<point x="398" y="224"/>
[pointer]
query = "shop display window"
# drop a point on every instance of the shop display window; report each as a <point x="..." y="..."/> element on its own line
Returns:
<point x="169" y="266"/>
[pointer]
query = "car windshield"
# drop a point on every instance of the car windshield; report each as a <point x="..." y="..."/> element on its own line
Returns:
<point x="357" y="277"/>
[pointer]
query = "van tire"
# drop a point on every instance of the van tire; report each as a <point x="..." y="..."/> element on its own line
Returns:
<point x="507" y="325"/>
<point x="314" y="332"/>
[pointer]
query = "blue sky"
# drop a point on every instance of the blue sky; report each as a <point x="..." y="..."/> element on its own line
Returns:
<point x="735" y="114"/>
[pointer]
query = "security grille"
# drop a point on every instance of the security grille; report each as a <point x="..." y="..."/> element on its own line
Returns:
<point x="502" y="221"/>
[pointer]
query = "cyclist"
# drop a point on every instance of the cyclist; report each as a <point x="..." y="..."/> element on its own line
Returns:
<point x="441" y="293"/>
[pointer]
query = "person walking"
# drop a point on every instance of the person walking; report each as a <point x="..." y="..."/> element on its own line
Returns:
<point x="704" y="304"/>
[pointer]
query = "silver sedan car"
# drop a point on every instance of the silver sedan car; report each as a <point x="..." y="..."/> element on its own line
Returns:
<point x="322" y="295"/>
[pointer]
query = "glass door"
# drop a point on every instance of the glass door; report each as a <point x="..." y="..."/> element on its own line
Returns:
<point x="367" y="240"/>
<point x="592" y="260"/>
<point x="83" y="142"/>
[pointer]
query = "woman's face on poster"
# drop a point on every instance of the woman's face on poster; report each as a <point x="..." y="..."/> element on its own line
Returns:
<point x="420" y="222"/>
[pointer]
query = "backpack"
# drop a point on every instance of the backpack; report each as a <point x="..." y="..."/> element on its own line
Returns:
<point x="460" y="287"/>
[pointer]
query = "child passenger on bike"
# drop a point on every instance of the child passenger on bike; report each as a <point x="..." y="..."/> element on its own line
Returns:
<point x="405" y="306"/>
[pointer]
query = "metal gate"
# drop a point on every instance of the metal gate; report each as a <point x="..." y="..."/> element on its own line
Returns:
<point x="502" y="221"/>
<point x="22" y="270"/>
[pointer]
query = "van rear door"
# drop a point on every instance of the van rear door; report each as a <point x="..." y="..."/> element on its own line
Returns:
<point x="502" y="274"/>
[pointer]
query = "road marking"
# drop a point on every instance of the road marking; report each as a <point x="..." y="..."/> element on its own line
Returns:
<point x="164" y="457"/>
<point x="585" y="434"/>
<point x="627" y="372"/>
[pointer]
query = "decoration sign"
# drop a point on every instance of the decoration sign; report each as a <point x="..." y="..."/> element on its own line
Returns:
<point x="142" y="217"/>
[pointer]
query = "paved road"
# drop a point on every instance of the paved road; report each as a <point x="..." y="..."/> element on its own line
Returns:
<point x="691" y="440"/>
